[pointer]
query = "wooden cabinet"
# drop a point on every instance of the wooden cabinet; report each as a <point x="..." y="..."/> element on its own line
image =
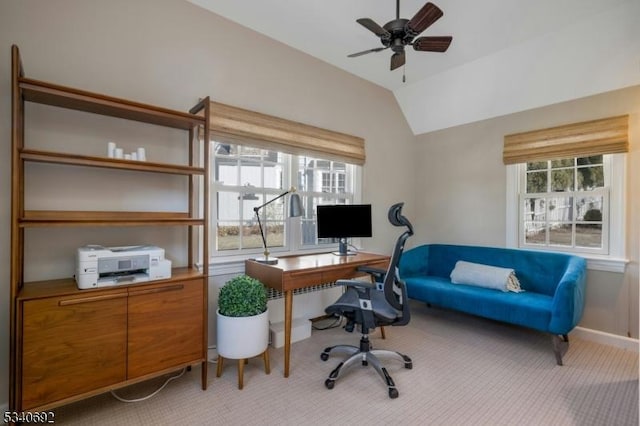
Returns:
<point x="164" y="328"/>
<point x="68" y="344"/>
<point x="63" y="338"/>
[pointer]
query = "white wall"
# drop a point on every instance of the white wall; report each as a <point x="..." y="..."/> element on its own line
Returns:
<point x="595" y="54"/>
<point x="461" y="194"/>
<point x="170" y="53"/>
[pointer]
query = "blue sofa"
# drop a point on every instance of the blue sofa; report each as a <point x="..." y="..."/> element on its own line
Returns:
<point x="553" y="284"/>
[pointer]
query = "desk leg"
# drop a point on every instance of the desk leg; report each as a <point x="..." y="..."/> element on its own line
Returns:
<point x="288" y="311"/>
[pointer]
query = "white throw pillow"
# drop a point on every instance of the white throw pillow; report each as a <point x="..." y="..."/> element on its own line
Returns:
<point x="480" y="275"/>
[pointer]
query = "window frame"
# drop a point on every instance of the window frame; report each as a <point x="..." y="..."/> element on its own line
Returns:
<point x="292" y="243"/>
<point x="615" y="174"/>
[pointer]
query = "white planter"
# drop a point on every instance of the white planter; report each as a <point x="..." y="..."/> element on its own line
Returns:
<point x="242" y="337"/>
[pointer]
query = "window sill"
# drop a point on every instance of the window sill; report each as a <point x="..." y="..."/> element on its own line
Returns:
<point x="227" y="267"/>
<point x="607" y="264"/>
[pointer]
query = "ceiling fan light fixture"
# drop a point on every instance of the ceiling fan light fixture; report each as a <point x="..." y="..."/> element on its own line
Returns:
<point x="398" y="33"/>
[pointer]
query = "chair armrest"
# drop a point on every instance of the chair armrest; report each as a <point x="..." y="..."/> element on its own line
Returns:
<point x="356" y="284"/>
<point x="377" y="273"/>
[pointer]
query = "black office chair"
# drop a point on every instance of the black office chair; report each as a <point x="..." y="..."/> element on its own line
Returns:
<point x="371" y="305"/>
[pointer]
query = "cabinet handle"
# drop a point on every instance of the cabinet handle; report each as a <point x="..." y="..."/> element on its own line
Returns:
<point x="175" y="287"/>
<point x="90" y="299"/>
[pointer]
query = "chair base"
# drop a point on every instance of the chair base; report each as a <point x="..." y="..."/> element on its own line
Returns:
<point x="366" y="356"/>
<point x="241" y="363"/>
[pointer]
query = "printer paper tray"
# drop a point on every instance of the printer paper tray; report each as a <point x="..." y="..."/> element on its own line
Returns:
<point x="121" y="279"/>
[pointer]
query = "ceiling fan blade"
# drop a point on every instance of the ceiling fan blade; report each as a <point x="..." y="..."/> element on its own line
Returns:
<point x="426" y="16"/>
<point x="364" y="52"/>
<point x="397" y="60"/>
<point x="432" y="44"/>
<point x="373" y="27"/>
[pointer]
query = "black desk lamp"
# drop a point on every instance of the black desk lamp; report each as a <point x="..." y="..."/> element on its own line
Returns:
<point x="295" y="210"/>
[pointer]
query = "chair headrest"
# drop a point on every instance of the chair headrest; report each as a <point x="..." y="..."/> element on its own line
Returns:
<point x="397" y="219"/>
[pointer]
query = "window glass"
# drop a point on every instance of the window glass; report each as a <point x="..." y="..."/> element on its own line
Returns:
<point x="564" y="203"/>
<point x="322" y="182"/>
<point x="245" y="178"/>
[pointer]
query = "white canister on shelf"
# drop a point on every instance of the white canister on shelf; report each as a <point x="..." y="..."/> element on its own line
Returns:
<point x="142" y="155"/>
<point x="111" y="149"/>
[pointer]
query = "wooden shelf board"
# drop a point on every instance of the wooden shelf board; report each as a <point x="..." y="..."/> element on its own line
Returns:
<point x="53" y="218"/>
<point x="61" y="96"/>
<point x="104" y="162"/>
<point x="68" y="287"/>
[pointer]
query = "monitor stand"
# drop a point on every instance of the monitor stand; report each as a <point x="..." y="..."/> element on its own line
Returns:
<point x="343" y="249"/>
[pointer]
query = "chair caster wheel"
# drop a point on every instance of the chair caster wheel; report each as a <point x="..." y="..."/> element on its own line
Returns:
<point x="324" y="356"/>
<point x="393" y="393"/>
<point x="365" y="363"/>
<point x="330" y="383"/>
<point x="408" y="364"/>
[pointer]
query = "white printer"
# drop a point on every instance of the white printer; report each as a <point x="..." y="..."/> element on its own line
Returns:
<point x="98" y="266"/>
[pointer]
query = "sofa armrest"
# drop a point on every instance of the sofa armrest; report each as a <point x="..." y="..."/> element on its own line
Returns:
<point x="415" y="262"/>
<point x="568" y="300"/>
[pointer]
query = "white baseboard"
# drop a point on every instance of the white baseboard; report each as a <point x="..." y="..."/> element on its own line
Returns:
<point x="621" y="342"/>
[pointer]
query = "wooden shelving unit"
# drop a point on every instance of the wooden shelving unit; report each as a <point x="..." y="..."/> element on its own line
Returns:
<point x="68" y="344"/>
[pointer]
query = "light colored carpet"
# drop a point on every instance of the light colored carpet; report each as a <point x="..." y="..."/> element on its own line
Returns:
<point x="466" y="371"/>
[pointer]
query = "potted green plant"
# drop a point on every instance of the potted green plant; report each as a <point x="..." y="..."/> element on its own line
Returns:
<point x="242" y="322"/>
<point x="242" y="296"/>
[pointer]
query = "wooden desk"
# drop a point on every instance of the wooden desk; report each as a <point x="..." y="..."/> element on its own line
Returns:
<point x="294" y="272"/>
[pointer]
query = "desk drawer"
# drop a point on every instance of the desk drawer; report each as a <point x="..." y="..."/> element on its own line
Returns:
<point x="332" y="276"/>
<point x="350" y="273"/>
<point x="303" y="279"/>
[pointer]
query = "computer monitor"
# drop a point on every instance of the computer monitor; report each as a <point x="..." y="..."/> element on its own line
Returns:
<point x="343" y="221"/>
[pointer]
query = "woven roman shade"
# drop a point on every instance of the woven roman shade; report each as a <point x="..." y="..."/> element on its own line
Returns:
<point x="604" y="136"/>
<point x="236" y="125"/>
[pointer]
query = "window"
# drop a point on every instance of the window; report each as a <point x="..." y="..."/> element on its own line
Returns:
<point x="255" y="158"/>
<point x="608" y="257"/>
<point x="245" y="177"/>
<point x="565" y="190"/>
<point x="564" y="204"/>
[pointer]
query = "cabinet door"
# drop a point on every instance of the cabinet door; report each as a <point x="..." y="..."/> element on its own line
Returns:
<point x="72" y="345"/>
<point x="165" y="327"/>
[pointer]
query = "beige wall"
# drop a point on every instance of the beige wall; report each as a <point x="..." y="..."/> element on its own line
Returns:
<point x="461" y="194"/>
<point x="170" y="53"/>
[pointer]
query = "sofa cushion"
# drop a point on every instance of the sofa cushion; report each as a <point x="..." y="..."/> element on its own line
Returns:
<point x="527" y="309"/>
<point x="494" y="277"/>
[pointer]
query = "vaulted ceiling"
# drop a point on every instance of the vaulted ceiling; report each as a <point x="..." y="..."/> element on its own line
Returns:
<point x="506" y="55"/>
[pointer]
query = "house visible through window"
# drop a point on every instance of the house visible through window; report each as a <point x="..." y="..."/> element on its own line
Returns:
<point x="246" y="177"/>
<point x="565" y="204"/>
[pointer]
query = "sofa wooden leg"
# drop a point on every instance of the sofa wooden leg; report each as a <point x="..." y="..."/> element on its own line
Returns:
<point x="560" y="346"/>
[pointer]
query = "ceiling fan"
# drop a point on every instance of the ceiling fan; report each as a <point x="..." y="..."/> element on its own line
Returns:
<point x="399" y="33"/>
